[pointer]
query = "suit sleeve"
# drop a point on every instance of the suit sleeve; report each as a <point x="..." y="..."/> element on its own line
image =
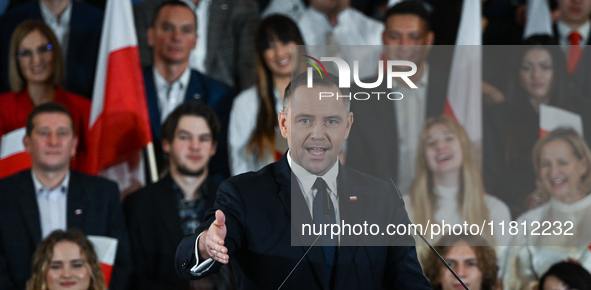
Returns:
<point x="117" y="229"/>
<point x="229" y="200"/>
<point x="5" y="280"/>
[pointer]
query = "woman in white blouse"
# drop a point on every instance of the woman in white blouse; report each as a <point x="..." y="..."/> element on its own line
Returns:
<point x="254" y="138"/>
<point x="447" y="185"/>
<point x="560" y="229"/>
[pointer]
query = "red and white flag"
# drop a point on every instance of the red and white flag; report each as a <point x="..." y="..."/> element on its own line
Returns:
<point x="464" y="92"/>
<point x="119" y="123"/>
<point x="106" y="251"/>
<point x="552" y="118"/>
<point x="13" y="157"/>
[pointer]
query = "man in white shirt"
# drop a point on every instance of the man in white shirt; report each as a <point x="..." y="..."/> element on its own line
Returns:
<point x="573" y="32"/>
<point x="50" y="196"/>
<point x="171" y="81"/>
<point x="259" y="214"/>
<point x="225" y="46"/>
<point x="384" y="143"/>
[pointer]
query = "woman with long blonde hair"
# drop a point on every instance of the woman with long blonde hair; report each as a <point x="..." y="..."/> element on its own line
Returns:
<point x="66" y="260"/>
<point x="448" y="182"/>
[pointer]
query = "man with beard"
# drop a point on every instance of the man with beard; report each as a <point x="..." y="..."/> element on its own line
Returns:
<point x="161" y="214"/>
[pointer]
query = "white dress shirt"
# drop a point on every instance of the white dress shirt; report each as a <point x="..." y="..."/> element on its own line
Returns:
<point x="243" y="121"/>
<point x="564" y="31"/>
<point x="59" y="25"/>
<point x="52" y="205"/>
<point x="172" y="95"/>
<point x="289" y="8"/>
<point x="354" y="37"/>
<point x="410" y="116"/>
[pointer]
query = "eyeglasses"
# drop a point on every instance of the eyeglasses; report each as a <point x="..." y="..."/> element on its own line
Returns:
<point x="27" y="53"/>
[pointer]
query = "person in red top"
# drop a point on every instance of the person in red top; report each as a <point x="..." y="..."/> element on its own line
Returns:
<point x="36" y="71"/>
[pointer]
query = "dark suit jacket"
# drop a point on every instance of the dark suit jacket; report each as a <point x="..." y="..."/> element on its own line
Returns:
<point x="579" y="80"/>
<point x="372" y="146"/>
<point x="85" y="34"/>
<point x="155" y="231"/>
<point x="258" y="208"/>
<point x="20" y="228"/>
<point x="201" y="88"/>
<point x="230" y="39"/>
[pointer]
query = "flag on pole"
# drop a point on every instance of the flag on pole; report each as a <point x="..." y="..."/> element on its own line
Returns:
<point x="464" y="92"/>
<point x="552" y="118"/>
<point x="538" y="19"/>
<point x="119" y="123"/>
<point x="106" y="250"/>
<point x="13" y="157"/>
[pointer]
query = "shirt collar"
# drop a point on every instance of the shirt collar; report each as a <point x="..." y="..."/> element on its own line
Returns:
<point x="39" y="188"/>
<point x="565" y="30"/>
<point x="183" y="80"/>
<point x="49" y="17"/>
<point x="307" y="179"/>
<point x="574" y="207"/>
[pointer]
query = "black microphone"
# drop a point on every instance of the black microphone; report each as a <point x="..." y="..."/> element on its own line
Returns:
<point x="394" y="188"/>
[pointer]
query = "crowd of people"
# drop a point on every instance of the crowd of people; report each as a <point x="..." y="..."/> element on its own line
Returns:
<point x="221" y="78"/>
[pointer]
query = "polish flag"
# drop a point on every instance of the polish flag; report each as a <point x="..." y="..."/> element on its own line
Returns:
<point x="106" y="250"/>
<point x="13" y="157"/>
<point x="538" y="18"/>
<point x="552" y="118"/>
<point x="464" y="92"/>
<point x="119" y="123"/>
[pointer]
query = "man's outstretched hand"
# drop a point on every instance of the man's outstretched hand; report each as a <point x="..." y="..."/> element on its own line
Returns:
<point x="211" y="242"/>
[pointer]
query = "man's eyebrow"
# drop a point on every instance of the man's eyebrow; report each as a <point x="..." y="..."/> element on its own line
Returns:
<point x="304" y="116"/>
<point x="339" y="117"/>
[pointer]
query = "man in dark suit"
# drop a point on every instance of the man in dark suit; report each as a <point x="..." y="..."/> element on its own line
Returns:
<point x="259" y="217"/>
<point x="171" y="81"/>
<point x="83" y="38"/>
<point x="572" y="31"/>
<point x="384" y="140"/>
<point x="228" y="55"/>
<point x="50" y="196"/>
<point x="161" y="214"/>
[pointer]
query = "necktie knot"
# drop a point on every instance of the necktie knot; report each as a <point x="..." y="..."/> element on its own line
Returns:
<point x="574" y="38"/>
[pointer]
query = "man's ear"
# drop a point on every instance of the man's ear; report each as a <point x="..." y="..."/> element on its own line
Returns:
<point x="150" y="34"/>
<point x="26" y="142"/>
<point x="166" y="146"/>
<point x="349" y="124"/>
<point x="73" y="152"/>
<point x="283" y="123"/>
<point x="214" y="148"/>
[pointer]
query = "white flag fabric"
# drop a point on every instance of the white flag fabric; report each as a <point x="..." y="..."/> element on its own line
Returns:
<point x="552" y="118"/>
<point x="538" y="19"/>
<point x="106" y="251"/>
<point x="464" y="93"/>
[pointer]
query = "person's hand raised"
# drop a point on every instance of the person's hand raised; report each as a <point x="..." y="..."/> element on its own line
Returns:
<point x="211" y="242"/>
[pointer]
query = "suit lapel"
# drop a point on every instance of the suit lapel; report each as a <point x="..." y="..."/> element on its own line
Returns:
<point x="351" y="211"/>
<point x="76" y="203"/>
<point x="28" y="206"/>
<point x="298" y="214"/>
<point x="196" y="91"/>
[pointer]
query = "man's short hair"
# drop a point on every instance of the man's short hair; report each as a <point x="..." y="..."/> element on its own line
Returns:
<point x="411" y="7"/>
<point x="48" y="108"/>
<point x="318" y="81"/>
<point x="197" y="109"/>
<point x="170" y="3"/>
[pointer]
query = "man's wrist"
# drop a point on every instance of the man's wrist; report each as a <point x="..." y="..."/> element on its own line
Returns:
<point x="202" y="248"/>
